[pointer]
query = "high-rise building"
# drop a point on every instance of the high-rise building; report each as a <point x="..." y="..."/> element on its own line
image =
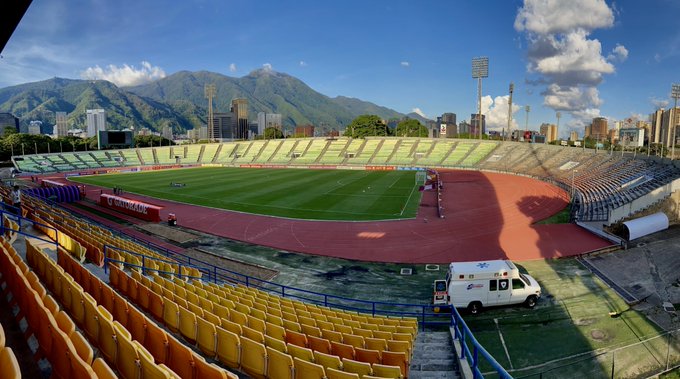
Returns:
<point x="447" y="125"/>
<point x="669" y="122"/>
<point x="304" y="131"/>
<point x="655" y="133"/>
<point x="599" y="129"/>
<point x="96" y="121"/>
<point x="61" y="127"/>
<point x="167" y="133"/>
<point x="224" y="126"/>
<point x="34" y="127"/>
<point x="588" y="129"/>
<point x="239" y="107"/>
<point x="573" y="136"/>
<point x="474" y="124"/>
<point x="549" y="131"/>
<point x="268" y="120"/>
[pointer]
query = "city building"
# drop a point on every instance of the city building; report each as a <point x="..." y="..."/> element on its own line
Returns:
<point x="8" y="119"/>
<point x="573" y="136"/>
<point x="224" y="126"/>
<point x="599" y="128"/>
<point x="268" y="120"/>
<point x="586" y="132"/>
<point x="447" y="125"/>
<point x="239" y="107"/>
<point x="61" y="126"/>
<point x="549" y="131"/>
<point x="96" y="121"/>
<point x="304" y="131"/>
<point x="669" y="122"/>
<point x="655" y="120"/>
<point x="463" y="128"/>
<point x="34" y="127"/>
<point x="474" y="124"/>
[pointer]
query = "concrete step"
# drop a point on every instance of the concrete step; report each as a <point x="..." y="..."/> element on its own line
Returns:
<point x="433" y="357"/>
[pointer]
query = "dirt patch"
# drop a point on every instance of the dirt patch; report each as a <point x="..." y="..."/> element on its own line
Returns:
<point x="168" y="232"/>
<point x="584" y="321"/>
<point x="598" y="335"/>
<point x="241" y="267"/>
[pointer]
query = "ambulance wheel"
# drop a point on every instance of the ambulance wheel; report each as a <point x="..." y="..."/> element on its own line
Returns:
<point x="475" y="307"/>
<point x="531" y="301"/>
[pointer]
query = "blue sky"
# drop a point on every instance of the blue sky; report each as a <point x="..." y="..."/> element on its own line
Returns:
<point x="583" y="58"/>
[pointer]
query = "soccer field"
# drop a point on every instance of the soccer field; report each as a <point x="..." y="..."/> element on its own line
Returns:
<point x="294" y="193"/>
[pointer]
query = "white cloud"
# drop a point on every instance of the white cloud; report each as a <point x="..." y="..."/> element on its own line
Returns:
<point x="619" y="53"/>
<point x="267" y="67"/>
<point x="303" y="63"/>
<point x="419" y="112"/>
<point x="558" y="16"/>
<point x="495" y="112"/>
<point x="563" y="54"/>
<point x="232" y="67"/>
<point x="125" y="75"/>
<point x="405" y="64"/>
<point x="659" y="103"/>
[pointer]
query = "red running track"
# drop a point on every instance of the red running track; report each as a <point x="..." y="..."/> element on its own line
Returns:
<point x="488" y="216"/>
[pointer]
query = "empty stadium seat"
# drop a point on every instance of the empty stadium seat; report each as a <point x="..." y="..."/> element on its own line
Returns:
<point x="103" y="370"/>
<point x="384" y="371"/>
<point x="399" y="359"/>
<point x="361" y="368"/>
<point x="82" y="347"/>
<point x="206" y="337"/>
<point x="342" y="350"/>
<point x="319" y="344"/>
<point x="181" y="358"/>
<point x="332" y="373"/>
<point x="253" y="358"/>
<point x="228" y="347"/>
<point x="366" y="355"/>
<point x="9" y="367"/>
<point x="147" y="367"/>
<point x="300" y="352"/>
<point x="127" y="359"/>
<point x="327" y="360"/>
<point x="279" y="364"/>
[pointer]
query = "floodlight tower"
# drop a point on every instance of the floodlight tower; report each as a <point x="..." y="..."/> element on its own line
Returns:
<point x="526" y="125"/>
<point x="480" y="69"/>
<point x="675" y="94"/>
<point x="209" y="91"/>
<point x="512" y="89"/>
<point x="559" y="116"/>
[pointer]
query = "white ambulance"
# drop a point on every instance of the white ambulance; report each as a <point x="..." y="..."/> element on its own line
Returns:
<point x="475" y="285"/>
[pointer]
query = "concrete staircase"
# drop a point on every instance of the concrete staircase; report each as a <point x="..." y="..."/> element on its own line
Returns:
<point x="433" y="356"/>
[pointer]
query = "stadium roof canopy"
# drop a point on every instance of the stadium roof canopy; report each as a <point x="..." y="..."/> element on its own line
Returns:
<point x="643" y="226"/>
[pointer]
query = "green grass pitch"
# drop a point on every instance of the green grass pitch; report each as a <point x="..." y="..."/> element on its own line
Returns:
<point x="294" y="193"/>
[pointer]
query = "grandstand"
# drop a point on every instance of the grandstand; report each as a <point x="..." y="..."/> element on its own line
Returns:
<point x="602" y="181"/>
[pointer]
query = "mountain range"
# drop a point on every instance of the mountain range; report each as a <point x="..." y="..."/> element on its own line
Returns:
<point x="178" y="101"/>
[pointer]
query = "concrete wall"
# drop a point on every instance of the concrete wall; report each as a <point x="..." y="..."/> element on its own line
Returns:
<point x="668" y="191"/>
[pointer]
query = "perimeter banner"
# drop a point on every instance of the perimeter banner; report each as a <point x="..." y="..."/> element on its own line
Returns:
<point x="134" y="208"/>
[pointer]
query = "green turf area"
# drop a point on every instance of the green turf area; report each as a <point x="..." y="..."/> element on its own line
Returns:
<point x="562" y="217"/>
<point x="294" y="193"/>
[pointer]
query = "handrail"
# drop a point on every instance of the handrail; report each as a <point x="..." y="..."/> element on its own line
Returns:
<point x="144" y="269"/>
<point x="145" y="257"/>
<point x="464" y="335"/>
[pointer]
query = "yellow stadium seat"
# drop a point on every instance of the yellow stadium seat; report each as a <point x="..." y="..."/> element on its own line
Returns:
<point x="107" y="336"/>
<point x="51" y="304"/>
<point x="324" y="325"/>
<point x="220" y="311"/>
<point x="337" y="374"/>
<point x="65" y="323"/>
<point x="311" y="330"/>
<point x="403" y="346"/>
<point x="83" y="347"/>
<point x="361" y="368"/>
<point x="279" y="364"/>
<point x="300" y="352"/>
<point x="276" y="344"/>
<point x="9" y="367"/>
<point x="253" y="334"/>
<point x="228" y="347"/>
<point x="378" y="344"/>
<point x="382" y="334"/>
<point x="275" y="331"/>
<point x="171" y="315"/>
<point x="253" y="358"/>
<point x="308" y="370"/>
<point x="408" y="330"/>
<point x="383" y="371"/>
<point x="2" y="337"/>
<point x="148" y="368"/>
<point x="331" y="336"/>
<point x="103" y="370"/>
<point x="91" y="322"/>
<point x="256" y="323"/>
<point x="352" y="323"/>
<point x="362" y="332"/>
<point x="127" y="358"/>
<point x="292" y="326"/>
<point x="206" y="337"/>
<point x="211" y="317"/>
<point x="328" y="360"/>
<point x="188" y="326"/>
<point x="232" y="327"/>
<point x="387" y="328"/>
<point x="351" y="339"/>
<point x="196" y="309"/>
<point x="344" y="329"/>
<point x="274" y="319"/>
<point x="238" y="317"/>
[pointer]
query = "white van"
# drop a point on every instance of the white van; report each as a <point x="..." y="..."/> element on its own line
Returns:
<point x="474" y="285"/>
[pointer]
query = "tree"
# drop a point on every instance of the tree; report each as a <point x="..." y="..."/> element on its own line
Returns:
<point x="411" y="128"/>
<point x="366" y="125"/>
<point x="9" y="130"/>
<point x="272" y="133"/>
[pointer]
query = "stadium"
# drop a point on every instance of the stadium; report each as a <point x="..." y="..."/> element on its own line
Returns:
<point x="149" y="308"/>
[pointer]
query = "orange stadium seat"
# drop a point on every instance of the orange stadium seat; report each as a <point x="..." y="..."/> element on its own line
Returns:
<point x="156" y="342"/>
<point x="181" y="360"/>
<point x="82" y="347"/>
<point x="9" y="366"/>
<point x="103" y="370"/>
<point x="136" y="324"/>
<point x="319" y="344"/>
<point x="342" y="350"/>
<point x="296" y="338"/>
<point x="399" y="359"/>
<point x="366" y="355"/>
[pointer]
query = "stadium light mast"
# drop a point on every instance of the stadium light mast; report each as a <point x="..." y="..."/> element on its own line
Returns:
<point x="512" y="89"/>
<point x="675" y="94"/>
<point x="480" y="69"/>
<point x="527" y="109"/>
<point x="557" y="131"/>
<point x="209" y="92"/>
